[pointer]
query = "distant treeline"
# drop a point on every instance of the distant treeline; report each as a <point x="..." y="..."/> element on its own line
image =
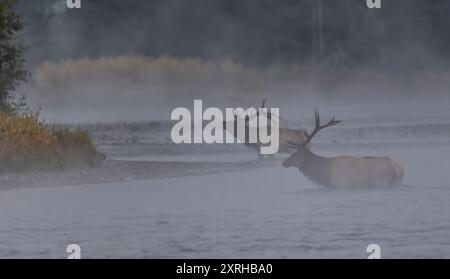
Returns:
<point x="403" y="33"/>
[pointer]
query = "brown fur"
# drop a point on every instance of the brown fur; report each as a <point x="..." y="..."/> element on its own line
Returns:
<point x="287" y="137"/>
<point x="346" y="171"/>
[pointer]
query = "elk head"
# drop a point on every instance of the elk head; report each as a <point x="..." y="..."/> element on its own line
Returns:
<point x="252" y="116"/>
<point x="269" y="114"/>
<point x="303" y="155"/>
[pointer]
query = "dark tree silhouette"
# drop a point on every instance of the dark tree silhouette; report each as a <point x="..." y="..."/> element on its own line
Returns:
<point x="406" y="33"/>
<point x="12" y="70"/>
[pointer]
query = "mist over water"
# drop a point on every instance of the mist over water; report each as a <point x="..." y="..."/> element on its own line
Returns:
<point x="136" y="88"/>
<point x="119" y="68"/>
<point x="98" y="64"/>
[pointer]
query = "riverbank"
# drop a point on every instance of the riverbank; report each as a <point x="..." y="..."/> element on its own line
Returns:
<point x="119" y="171"/>
<point x="29" y="144"/>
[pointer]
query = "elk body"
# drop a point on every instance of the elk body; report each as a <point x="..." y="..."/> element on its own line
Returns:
<point x="344" y="172"/>
<point x="289" y="136"/>
<point x="286" y="136"/>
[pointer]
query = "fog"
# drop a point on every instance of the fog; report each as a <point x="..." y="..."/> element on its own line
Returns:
<point x="136" y="88"/>
<point x="113" y="61"/>
<point x="119" y="68"/>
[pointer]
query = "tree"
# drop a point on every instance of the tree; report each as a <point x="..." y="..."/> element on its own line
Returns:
<point x="12" y="70"/>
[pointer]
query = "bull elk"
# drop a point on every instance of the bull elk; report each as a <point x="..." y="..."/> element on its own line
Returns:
<point x="286" y="136"/>
<point x="343" y="171"/>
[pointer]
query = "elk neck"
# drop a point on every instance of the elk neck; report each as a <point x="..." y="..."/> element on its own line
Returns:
<point x="316" y="168"/>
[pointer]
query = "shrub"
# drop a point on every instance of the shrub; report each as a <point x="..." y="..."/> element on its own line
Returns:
<point x="28" y="144"/>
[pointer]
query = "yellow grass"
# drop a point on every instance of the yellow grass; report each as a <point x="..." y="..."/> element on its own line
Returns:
<point x="135" y="77"/>
<point x="28" y="144"/>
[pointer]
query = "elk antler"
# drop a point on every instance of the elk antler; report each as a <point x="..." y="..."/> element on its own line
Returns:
<point x="269" y="114"/>
<point x="319" y="127"/>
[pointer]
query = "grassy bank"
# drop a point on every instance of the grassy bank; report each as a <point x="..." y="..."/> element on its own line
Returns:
<point x="27" y="144"/>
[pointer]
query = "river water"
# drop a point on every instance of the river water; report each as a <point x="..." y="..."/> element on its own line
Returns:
<point x="269" y="212"/>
